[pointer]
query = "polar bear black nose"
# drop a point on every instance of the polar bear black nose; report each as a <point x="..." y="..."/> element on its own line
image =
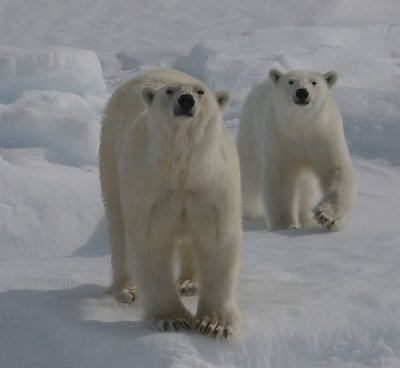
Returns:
<point x="186" y="102"/>
<point x="302" y="94"/>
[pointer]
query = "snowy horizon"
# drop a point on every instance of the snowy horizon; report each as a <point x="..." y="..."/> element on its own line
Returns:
<point x="310" y="299"/>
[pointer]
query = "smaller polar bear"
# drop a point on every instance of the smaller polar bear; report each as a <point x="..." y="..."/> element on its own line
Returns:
<point x="290" y="125"/>
<point x="170" y="181"/>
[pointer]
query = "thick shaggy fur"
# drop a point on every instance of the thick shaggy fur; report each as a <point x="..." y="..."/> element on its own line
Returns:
<point x="282" y="137"/>
<point x="171" y="182"/>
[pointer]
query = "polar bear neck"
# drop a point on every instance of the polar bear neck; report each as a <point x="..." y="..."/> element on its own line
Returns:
<point x="185" y="152"/>
<point x="297" y="121"/>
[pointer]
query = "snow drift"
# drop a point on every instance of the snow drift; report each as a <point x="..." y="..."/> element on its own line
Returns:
<point x="52" y="99"/>
<point x="52" y="102"/>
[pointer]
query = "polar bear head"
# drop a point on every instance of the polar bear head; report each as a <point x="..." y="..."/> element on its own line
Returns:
<point x="303" y="88"/>
<point x="183" y="104"/>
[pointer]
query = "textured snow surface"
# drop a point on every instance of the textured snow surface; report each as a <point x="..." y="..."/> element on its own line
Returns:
<point x="310" y="299"/>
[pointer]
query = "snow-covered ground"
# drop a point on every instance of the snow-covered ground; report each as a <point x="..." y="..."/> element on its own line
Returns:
<point x="310" y="299"/>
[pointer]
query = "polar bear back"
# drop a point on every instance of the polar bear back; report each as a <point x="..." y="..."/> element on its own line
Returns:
<point x="255" y="115"/>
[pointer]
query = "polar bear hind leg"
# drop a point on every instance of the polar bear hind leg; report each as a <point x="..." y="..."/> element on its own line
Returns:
<point x="122" y="287"/>
<point x="187" y="280"/>
<point x="252" y="198"/>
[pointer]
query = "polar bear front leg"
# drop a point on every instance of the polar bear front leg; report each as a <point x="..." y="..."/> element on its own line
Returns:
<point x="217" y="312"/>
<point x="152" y="266"/>
<point x="337" y="184"/>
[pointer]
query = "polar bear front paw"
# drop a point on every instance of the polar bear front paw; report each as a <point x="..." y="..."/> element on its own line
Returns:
<point x="325" y="217"/>
<point x="188" y="287"/>
<point x="220" y="323"/>
<point x="170" y="322"/>
<point x="211" y="326"/>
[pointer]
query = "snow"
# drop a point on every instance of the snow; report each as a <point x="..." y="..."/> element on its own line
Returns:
<point x="47" y="210"/>
<point x="310" y="299"/>
<point x="61" y="69"/>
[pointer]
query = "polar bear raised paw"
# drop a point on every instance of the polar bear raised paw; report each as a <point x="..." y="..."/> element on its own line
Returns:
<point x="326" y="218"/>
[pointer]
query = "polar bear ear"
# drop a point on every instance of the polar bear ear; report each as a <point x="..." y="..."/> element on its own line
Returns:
<point x="148" y="93"/>
<point x="275" y="75"/>
<point x="331" y="78"/>
<point x="223" y="99"/>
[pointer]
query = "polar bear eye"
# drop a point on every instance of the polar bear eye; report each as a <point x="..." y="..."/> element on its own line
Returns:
<point x="291" y="82"/>
<point x="169" y="92"/>
<point x="200" y="92"/>
<point x="314" y="83"/>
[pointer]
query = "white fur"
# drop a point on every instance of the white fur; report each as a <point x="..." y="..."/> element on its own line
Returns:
<point x="280" y="143"/>
<point x="172" y="183"/>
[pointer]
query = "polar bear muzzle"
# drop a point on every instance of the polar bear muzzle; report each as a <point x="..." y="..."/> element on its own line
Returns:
<point x="185" y="105"/>
<point x="302" y="95"/>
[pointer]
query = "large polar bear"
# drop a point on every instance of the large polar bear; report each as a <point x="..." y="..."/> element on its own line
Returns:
<point x="170" y="180"/>
<point x="290" y="125"/>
